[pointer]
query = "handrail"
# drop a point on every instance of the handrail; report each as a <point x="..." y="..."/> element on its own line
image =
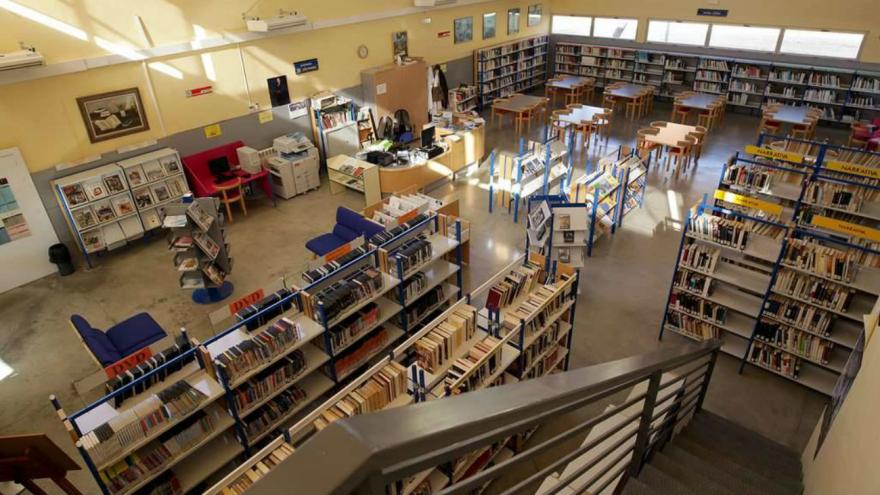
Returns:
<point x="363" y="453"/>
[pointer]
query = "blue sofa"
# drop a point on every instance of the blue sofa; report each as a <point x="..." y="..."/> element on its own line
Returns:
<point x="349" y="226"/>
<point x="119" y="341"/>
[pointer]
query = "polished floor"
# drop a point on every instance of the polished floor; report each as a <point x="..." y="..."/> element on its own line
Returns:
<point x="622" y="292"/>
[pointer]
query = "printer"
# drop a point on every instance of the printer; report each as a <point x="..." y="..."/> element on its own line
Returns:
<point x="295" y="142"/>
<point x="295" y="170"/>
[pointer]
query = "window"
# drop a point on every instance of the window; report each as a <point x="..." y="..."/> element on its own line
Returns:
<point x="621" y="29"/>
<point x="821" y="43"/>
<point x="678" y="33"/>
<point x="744" y="37"/>
<point x="569" y="24"/>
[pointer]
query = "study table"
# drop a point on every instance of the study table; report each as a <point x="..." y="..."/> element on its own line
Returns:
<point x="790" y="114"/>
<point x="627" y="91"/>
<point x="580" y="114"/>
<point x="670" y="134"/>
<point x="698" y="101"/>
<point x="567" y="85"/>
<point x="521" y="106"/>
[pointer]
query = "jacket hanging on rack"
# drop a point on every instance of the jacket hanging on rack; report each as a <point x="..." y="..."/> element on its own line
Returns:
<point x="438" y="88"/>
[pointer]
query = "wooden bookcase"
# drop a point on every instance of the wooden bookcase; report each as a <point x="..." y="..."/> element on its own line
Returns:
<point x="511" y="67"/>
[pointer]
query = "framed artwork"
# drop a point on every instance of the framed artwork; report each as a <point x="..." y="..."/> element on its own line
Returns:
<point x="399" y="44"/>
<point x="114" y="114"/>
<point x="489" y="22"/>
<point x="534" y="17"/>
<point x="513" y="21"/>
<point x="463" y="29"/>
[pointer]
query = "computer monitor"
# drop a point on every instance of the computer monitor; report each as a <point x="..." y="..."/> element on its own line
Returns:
<point x="219" y="166"/>
<point x="428" y="135"/>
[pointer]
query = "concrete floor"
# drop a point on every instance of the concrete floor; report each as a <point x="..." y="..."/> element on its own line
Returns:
<point x="621" y="302"/>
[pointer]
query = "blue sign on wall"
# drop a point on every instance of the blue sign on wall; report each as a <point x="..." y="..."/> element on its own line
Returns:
<point x="304" y="66"/>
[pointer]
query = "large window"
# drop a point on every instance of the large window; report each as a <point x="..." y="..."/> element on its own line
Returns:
<point x="569" y="24"/>
<point x="761" y="39"/>
<point x="677" y="32"/>
<point x="821" y="43"/>
<point x="621" y="29"/>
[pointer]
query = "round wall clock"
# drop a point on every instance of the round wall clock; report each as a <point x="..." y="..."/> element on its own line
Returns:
<point x="363" y="51"/>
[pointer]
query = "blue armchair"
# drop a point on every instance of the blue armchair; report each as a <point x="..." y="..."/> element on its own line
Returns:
<point x="119" y="341"/>
<point x="349" y="226"/>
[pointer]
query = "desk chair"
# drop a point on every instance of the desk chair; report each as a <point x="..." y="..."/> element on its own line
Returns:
<point x="120" y="340"/>
<point x="646" y="148"/>
<point x="550" y="92"/>
<point x="559" y="127"/>
<point x="859" y="135"/>
<point x="680" y="156"/>
<point x="602" y="124"/>
<point x="231" y="192"/>
<point x="497" y="112"/>
<point x="805" y="130"/>
<point x="709" y="117"/>
<point x="680" y="114"/>
<point x="768" y="125"/>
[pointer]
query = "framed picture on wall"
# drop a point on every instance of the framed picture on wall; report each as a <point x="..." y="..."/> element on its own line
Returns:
<point x="399" y="42"/>
<point x="489" y="22"/>
<point x="534" y="17"/>
<point x="114" y="114"/>
<point x="513" y="21"/>
<point x="463" y="29"/>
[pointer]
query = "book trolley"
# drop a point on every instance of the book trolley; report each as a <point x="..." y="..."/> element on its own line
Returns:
<point x="495" y="329"/>
<point x="843" y="95"/>
<point x="511" y="67"/>
<point x="796" y="235"/>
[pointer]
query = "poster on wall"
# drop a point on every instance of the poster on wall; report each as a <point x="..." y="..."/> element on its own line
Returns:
<point x="534" y="17"/>
<point x="114" y="114"/>
<point x="13" y="225"/>
<point x="399" y="43"/>
<point x="279" y="94"/>
<point x="513" y="21"/>
<point x="298" y="109"/>
<point x="464" y="29"/>
<point x="489" y="25"/>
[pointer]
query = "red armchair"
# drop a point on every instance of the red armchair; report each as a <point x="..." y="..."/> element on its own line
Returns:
<point x="201" y="179"/>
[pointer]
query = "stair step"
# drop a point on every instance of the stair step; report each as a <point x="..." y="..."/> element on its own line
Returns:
<point x="690" y="476"/>
<point x="636" y="487"/>
<point x="729" y="465"/>
<point x="750" y="454"/>
<point x="661" y="482"/>
<point x="736" y="480"/>
<point x="749" y="435"/>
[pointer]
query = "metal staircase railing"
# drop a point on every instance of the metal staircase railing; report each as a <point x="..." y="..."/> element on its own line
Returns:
<point x="365" y="454"/>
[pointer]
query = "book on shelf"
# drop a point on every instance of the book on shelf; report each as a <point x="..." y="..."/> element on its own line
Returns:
<point x="692" y="282"/>
<point x="689" y="325"/>
<point x="699" y="307"/>
<point x="362" y="284"/>
<point x="270" y="414"/>
<point x="376" y="393"/>
<point x="260" y="349"/>
<point x="412" y="253"/>
<point x="240" y="484"/>
<point x="822" y="260"/>
<point x="134" y="468"/>
<point x="315" y="274"/>
<point x="279" y="302"/>
<point x="471" y="371"/>
<point x="816" y="290"/>
<point x="799" y="315"/>
<point x="207" y="244"/>
<point x="136" y="373"/>
<point x="700" y="257"/>
<point x="795" y="341"/>
<point x="782" y="362"/>
<point x="442" y="343"/>
<point x="724" y="231"/>
<point x="425" y="304"/>
<point x="199" y="216"/>
<point x="270" y="380"/>
<point x="361" y="352"/>
<point x="353" y="327"/>
<point x="214" y="273"/>
<point x="520" y="280"/>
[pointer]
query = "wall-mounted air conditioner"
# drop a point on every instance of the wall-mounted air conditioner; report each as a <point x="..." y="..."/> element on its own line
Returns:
<point x="433" y="3"/>
<point x="281" y="22"/>
<point x="20" y="59"/>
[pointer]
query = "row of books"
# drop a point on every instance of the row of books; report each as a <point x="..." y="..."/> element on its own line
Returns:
<point x="425" y="304"/>
<point x="693" y="282"/>
<point x="799" y="315"/>
<point x="122" y="475"/>
<point x="782" y="362"/>
<point x="536" y="309"/>
<point x="387" y="235"/>
<point x="521" y="280"/>
<point x="412" y="254"/>
<point x="724" y="231"/>
<point x="698" y="306"/>
<point x="834" y="195"/>
<point x="541" y="344"/>
<point x="692" y="326"/>
<point x="315" y="274"/>
<point x="471" y="371"/>
<point x="353" y="326"/>
<point x="260" y="308"/>
<point x="546" y="364"/>
<point x="330" y="120"/>
<point x="711" y="76"/>
<point x="414" y="285"/>
<point x="156" y="361"/>
<point x="270" y="380"/>
<point x="271" y="413"/>
<point x="190" y="432"/>
<point x="261" y="468"/>
<point x="700" y="257"/>
<point x="752" y="177"/>
<point x="866" y="84"/>
<point x="818" y="291"/>
<point x="822" y="260"/>
<point x="795" y="341"/>
<point x="375" y="394"/>
<point x="337" y="298"/>
<point x="362" y="351"/>
<point x="165" y="484"/>
<point x="438" y="346"/>
<point x="138" y="422"/>
<point x="262" y="348"/>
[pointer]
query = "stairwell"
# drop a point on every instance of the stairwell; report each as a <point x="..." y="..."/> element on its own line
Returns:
<point x="712" y="455"/>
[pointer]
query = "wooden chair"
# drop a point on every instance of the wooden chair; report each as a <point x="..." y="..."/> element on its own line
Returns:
<point x="551" y="92"/>
<point x="559" y="127"/>
<point x="588" y="91"/>
<point x="231" y="192"/>
<point x="644" y="147"/>
<point x="768" y="125"/>
<point x="859" y="135"/>
<point x="602" y="124"/>
<point x="680" y="114"/>
<point x="499" y="112"/>
<point x="573" y="95"/>
<point x="659" y="123"/>
<point x="699" y="138"/>
<point x="806" y="130"/>
<point x="680" y="156"/>
<point x="709" y="117"/>
<point x="635" y="107"/>
<point x="649" y="101"/>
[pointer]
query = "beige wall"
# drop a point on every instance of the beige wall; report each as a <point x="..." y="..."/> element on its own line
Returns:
<point x="847" y="463"/>
<point x="849" y="15"/>
<point x="42" y="119"/>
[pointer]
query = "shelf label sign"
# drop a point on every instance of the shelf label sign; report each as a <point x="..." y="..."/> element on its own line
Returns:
<point x="213" y="131"/>
<point x="846" y="228"/>
<point x="245" y="301"/>
<point x="854" y="169"/>
<point x="766" y="206"/>
<point x="788" y="156"/>
<point x="128" y="362"/>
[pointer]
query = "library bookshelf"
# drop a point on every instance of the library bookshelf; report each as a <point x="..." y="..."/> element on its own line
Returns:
<point x="511" y="67"/>
<point x="796" y="240"/>
<point x="413" y="372"/>
<point x="843" y="95"/>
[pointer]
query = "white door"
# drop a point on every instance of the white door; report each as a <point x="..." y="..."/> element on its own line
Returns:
<point x="25" y="230"/>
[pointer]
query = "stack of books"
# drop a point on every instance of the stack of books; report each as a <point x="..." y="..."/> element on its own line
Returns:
<point x="822" y="260"/>
<point x="521" y="280"/>
<point x="721" y="230"/>
<point x="379" y="391"/>
<point x="353" y="326"/>
<point x="472" y="371"/>
<point x="270" y="380"/>
<point x="340" y="296"/>
<point x="260" y="469"/>
<point x="264" y="347"/>
<point x="816" y="290"/>
<point x="440" y="344"/>
<point x="700" y="257"/>
<point x="271" y="413"/>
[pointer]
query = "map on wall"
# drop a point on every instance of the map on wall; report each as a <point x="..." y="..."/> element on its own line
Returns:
<point x="13" y="226"/>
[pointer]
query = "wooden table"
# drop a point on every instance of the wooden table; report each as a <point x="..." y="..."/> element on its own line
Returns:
<point x="584" y="113"/>
<point x="699" y="101"/>
<point x="790" y="114"/>
<point x="522" y="107"/>
<point x="627" y="91"/>
<point x="570" y="82"/>
<point x="671" y="134"/>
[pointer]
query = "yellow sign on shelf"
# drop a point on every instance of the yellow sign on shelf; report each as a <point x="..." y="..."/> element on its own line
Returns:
<point x="788" y="156"/>
<point x="846" y="227"/>
<point x="213" y="131"/>
<point x="852" y="168"/>
<point x="766" y="206"/>
<point x="266" y="116"/>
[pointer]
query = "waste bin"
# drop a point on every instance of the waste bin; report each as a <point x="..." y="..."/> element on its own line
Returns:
<point x="60" y="255"/>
